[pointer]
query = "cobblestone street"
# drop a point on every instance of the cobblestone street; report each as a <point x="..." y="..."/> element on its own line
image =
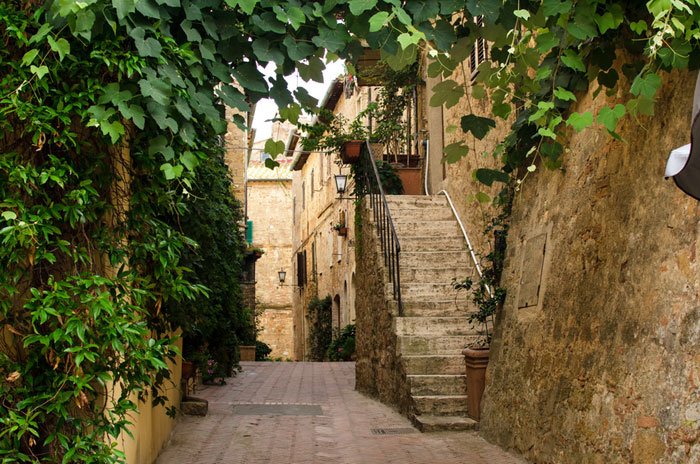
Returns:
<point x="310" y="413"/>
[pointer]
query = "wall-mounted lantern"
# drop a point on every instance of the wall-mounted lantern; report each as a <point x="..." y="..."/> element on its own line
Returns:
<point x="684" y="162"/>
<point x="341" y="181"/>
<point x="282" y="274"/>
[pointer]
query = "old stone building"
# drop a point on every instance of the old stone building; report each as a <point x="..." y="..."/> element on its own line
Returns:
<point x="269" y="196"/>
<point x="595" y="354"/>
<point x="324" y="260"/>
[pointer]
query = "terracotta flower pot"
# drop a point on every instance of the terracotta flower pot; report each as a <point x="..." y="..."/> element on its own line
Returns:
<point x="350" y="152"/>
<point x="343" y="231"/>
<point x="247" y="353"/>
<point x="476" y="361"/>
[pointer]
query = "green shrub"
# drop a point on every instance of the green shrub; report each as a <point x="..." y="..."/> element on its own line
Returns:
<point x="343" y="346"/>
<point x="320" y="334"/>
<point x="262" y="351"/>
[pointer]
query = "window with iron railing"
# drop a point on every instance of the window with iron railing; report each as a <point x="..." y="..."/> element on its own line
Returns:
<point x="480" y="51"/>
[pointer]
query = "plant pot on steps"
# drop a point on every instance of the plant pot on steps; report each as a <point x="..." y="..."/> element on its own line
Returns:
<point x="476" y="361"/>
<point x="411" y="180"/>
<point x="350" y="152"/>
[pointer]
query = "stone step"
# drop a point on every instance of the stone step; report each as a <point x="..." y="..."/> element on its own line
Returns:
<point x="434" y="364"/>
<point x="421" y="291"/>
<point x="427" y="213"/>
<point x="415" y="201"/>
<point x="441" y="405"/>
<point x="423" y="385"/>
<point x="434" y="308"/>
<point x="427" y="424"/>
<point x="445" y="274"/>
<point x="418" y="228"/>
<point x="435" y="344"/>
<point x="432" y="243"/>
<point x="435" y="326"/>
<point x="433" y="259"/>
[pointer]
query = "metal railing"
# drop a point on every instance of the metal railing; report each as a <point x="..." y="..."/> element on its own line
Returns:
<point x="386" y="232"/>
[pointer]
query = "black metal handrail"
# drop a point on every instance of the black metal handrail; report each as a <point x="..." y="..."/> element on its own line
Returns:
<point x="385" y="226"/>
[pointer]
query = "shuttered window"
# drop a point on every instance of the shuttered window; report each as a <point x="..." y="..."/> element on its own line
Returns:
<point x="479" y="53"/>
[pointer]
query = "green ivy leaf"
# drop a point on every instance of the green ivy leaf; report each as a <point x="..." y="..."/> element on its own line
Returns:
<point x="641" y="105"/>
<point x="29" y="57"/>
<point x="573" y="60"/>
<point x="250" y="78"/>
<point x="157" y="89"/>
<point x="481" y="197"/>
<point x="402" y="59"/>
<point x="9" y="215"/>
<point x="267" y="51"/>
<point x="580" y="121"/>
<point x="477" y="125"/>
<point x="303" y="97"/>
<point x="609" y="116"/>
<point x="246" y="5"/>
<point x="149" y="47"/>
<point x="207" y="49"/>
<point x="488" y="8"/>
<point x="422" y="11"/>
<point x="478" y="92"/>
<point x="501" y="110"/>
<point x="114" y="129"/>
<point x="291" y="113"/>
<point x="331" y="40"/>
<point x="61" y="46"/>
<point x="233" y="98"/>
<point x="563" y="94"/>
<point x="274" y="148"/>
<point x="378" y="20"/>
<point x="192" y="34"/>
<point x="647" y="84"/>
<point x="298" y="50"/>
<point x="124" y="7"/>
<point x="489" y="176"/>
<point x="148" y="8"/>
<point x="546" y="41"/>
<point x="312" y="70"/>
<point x="446" y="93"/>
<point x="357" y="7"/>
<point x="171" y="172"/>
<point x="454" y="152"/>
<point x="40" y="71"/>
<point x="189" y="160"/>
<point x="556" y="7"/>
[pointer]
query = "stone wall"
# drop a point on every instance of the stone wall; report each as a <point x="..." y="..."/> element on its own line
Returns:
<point x="270" y="209"/>
<point x="599" y="359"/>
<point x="277" y="333"/>
<point x="379" y="371"/>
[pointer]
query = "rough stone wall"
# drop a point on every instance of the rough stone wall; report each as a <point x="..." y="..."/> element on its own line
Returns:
<point x="277" y="332"/>
<point x="379" y="371"/>
<point x="602" y="365"/>
<point x="316" y="212"/>
<point x="235" y="142"/>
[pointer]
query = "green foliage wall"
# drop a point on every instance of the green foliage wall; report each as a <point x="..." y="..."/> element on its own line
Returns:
<point x="320" y="320"/>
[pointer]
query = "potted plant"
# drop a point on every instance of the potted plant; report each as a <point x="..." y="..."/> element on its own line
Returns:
<point x="340" y="228"/>
<point x="488" y="299"/>
<point x="334" y="133"/>
<point x="255" y="251"/>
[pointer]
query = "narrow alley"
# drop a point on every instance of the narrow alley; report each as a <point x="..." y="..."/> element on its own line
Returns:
<point x="310" y="413"/>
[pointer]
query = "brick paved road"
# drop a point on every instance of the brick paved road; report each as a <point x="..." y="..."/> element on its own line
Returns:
<point x="341" y="435"/>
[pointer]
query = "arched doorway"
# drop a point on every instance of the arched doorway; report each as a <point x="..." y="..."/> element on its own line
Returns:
<point x="336" y="312"/>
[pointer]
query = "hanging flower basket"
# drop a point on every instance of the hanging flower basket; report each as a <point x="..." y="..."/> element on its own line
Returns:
<point x="350" y="151"/>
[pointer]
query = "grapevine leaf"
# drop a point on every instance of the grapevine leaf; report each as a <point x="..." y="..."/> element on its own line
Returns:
<point x="454" y="152"/>
<point x="580" y="121"/>
<point x="446" y="93"/>
<point x="477" y="125"/>
<point x="489" y="176"/>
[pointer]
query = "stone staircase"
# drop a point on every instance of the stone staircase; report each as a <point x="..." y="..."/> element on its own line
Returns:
<point x="434" y="327"/>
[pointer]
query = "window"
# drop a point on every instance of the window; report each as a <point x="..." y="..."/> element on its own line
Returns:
<point x="311" y="187"/>
<point x="313" y="259"/>
<point x="303" y="196"/>
<point x="330" y="247"/>
<point x="301" y="268"/>
<point x="479" y="53"/>
<point x="294" y="209"/>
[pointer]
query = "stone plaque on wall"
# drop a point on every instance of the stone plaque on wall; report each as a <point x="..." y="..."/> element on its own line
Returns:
<point x="531" y="271"/>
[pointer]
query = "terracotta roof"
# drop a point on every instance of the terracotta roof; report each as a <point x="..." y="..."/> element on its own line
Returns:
<point x="258" y="171"/>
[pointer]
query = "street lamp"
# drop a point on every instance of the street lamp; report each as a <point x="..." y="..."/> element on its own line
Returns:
<point x="282" y="274"/>
<point x="341" y="180"/>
